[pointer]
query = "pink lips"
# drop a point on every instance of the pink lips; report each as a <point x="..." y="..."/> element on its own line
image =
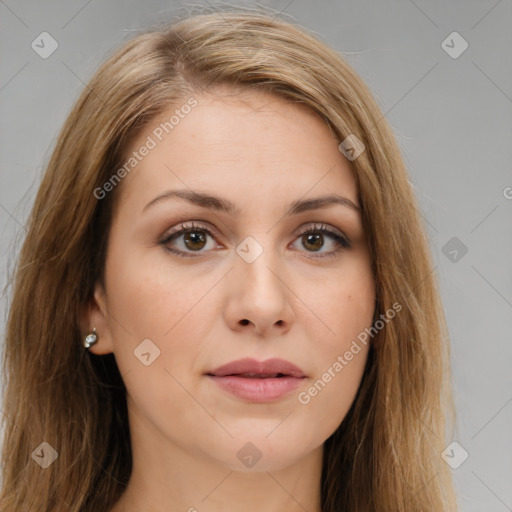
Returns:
<point x="258" y="381"/>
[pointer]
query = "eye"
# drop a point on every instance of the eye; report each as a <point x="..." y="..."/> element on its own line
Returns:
<point x="195" y="238"/>
<point x="313" y="239"/>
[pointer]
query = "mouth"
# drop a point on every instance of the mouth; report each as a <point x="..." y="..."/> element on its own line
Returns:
<point x="251" y="368"/>
<point x="258" y="381"/>
<point x="257" y="375"/>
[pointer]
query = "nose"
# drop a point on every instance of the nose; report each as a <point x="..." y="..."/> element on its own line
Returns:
<point x="258" y="297"/>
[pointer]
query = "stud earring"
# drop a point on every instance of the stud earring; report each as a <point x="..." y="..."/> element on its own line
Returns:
<point x="91" y="338"/>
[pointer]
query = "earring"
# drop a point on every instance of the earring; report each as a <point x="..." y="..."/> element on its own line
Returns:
<point x="91" y="338"/>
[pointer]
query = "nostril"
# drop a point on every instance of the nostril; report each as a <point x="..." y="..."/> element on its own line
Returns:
<point x="244" y="321"/>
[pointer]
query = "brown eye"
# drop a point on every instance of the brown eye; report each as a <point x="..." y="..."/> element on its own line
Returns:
<point x="194" y="240"/>
<point x="188" y="240"/>
<point x="313" y="241"/>
<point x="316" y="237"/>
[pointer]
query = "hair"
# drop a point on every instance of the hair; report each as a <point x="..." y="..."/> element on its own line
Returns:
<point x="386" y="453"/>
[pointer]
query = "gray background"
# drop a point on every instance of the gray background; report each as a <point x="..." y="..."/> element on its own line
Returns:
<point x="453" y="120"/>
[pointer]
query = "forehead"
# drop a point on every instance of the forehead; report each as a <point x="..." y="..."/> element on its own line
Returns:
<point x="247" y="142"/>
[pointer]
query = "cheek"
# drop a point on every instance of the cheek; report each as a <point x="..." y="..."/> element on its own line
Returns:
<point x="328" y="398"/>
<point x="157" y="309"/>
<point x="156" y="301"/>
<point x="151" y="296"/>
<point x="345" y="305"/>
<point x="340" y="307"/>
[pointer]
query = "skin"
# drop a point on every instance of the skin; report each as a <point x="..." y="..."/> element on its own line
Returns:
<point x="262" y="153"/>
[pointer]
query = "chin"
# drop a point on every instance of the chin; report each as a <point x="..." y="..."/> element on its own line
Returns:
<point x="258" y="451"/>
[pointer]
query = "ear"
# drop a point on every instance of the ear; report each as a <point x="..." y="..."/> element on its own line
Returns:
<point x="95" y="314"/>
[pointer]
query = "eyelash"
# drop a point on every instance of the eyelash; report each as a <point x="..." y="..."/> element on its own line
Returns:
<point x="341" y="241"/>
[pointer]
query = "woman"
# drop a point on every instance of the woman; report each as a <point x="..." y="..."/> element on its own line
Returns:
<point x="225" y="298"/>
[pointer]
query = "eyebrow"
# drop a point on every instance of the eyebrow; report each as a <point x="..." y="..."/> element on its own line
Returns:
<point x="223" y="205"/>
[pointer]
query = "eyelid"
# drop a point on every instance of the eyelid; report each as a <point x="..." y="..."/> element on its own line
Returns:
<point x="321" y="226"/>
<point x="189" y="225"/>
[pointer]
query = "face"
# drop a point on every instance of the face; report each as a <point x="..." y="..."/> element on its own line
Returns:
<point x="256" y="270"/>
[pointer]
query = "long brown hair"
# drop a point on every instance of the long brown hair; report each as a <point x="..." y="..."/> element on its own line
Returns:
<point x="386" y="454"/>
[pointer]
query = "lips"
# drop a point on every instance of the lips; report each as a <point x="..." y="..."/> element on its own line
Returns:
<point x="250" y="368"/>
<point x="258" y="381"/>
